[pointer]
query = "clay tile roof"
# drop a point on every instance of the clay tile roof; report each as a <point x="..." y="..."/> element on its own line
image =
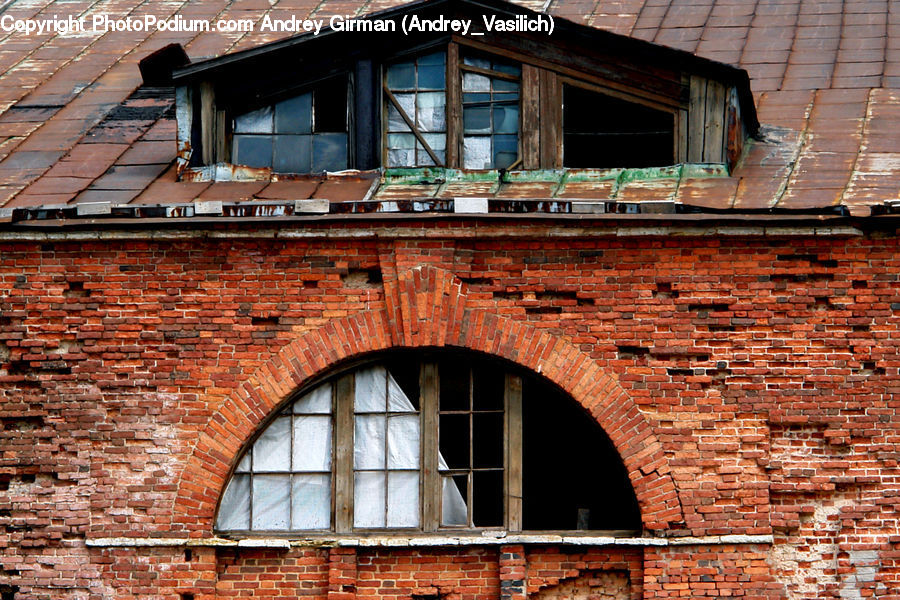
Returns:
<point x="76" y="125"/>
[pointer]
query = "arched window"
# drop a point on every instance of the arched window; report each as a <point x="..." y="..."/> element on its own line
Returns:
<point x="446" y="442"/>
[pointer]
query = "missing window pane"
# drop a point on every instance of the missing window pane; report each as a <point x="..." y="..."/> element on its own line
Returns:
<point x="487" y="498"/>
<point x="454" y="440"/>
<point x="330" y="105"/>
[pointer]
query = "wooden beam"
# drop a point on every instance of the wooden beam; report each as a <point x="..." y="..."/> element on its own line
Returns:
<point x="513" y="434"/>
<point x="454" y="108"/>
<point x="344" y="389"/>
<point x="530" y="140"/>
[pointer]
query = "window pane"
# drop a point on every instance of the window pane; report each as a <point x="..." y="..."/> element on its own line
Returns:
<point x="329" y="152"/>
<point x="401" y="76"/>
<point x="292" y="154"/>
<point x="487" y="498"/>
<point x="253" y="150"/>
<point x="294" y="115"/>
<point x="244" y="465"/>
<point x="432" y="77"/>
<point x="257" y="121"/>
<point x="271" y="501"/>
<point x="234" y="511"/>
<point x="506" y="150"/>
<point x="368" y="445"/>
<point x="397" y="399"/>
<point x="368" y="499"/>
<point x="477" y="152"/>
<point x="453" y="503"/>
<point x="473" y="82"/>
<point x="403" y="499"/>
<point x="403" y="442"/>
<point x="477" y="119"/>
<point x="401" y="158"/>
<point x="317" y="401"/>
<point x="395" y="121"/>
<point x="312" y="443"/>
<point x="272" y="451"/>
<point x="431" y="115"/>
<point x="311" y="502"/>
<point x="370" y="394"/>
<point x="506" y="119"/>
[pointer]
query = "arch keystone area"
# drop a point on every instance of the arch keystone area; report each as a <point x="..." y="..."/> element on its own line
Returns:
<point x="426" y="307"/>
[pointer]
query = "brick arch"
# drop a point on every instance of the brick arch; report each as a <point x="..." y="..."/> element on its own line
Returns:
<point x="426" y="307"/>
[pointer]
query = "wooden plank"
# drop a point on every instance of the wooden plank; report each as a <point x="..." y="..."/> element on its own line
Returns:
<point x="551" y="122"/>
<point x="431" y="478"/>
<point x="618" y="94"/>
<point x="714" y="136"/>
<point x="454" y="108"/>
<point x="681" y="136"/>
<point x="513" y="452"/>
<point x="208" y="122"/>
<point x="344" y="389"/>
<point x="696" y="116"/>
<point x="222" y="148"/>
<point x="531" y="117"/>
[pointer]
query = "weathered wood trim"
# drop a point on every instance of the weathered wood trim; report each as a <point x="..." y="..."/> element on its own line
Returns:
<point x="453" y="151"/>
<point x="342" y="473"/>
<point x="530" y="140"/>
<point x="513" y="451"/>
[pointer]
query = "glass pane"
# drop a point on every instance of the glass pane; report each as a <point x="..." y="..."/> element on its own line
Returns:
<point x="403" y="442"/>
<point x="477" y="152"/>
<point x="395" y="121"/>
<point x="244" y="465"/>
<point x="253" y="150"/>
<point x="436" y="58"/>
<point x="257" y="121"/>
<point x="470" y="98"/>
<point x="432" y="77"/>
<point x="292" y="154"/>
<point x="424" y="159"/>
<point x="487" y="440"/>
<point x="368" y="445"/>
<point x="477" y="119"/>
<point x="368" y="499"/>
<point x="311" y="502"/>
<point x="401" y="158"/>
<point x="453" y="500"/>
<point x="271" y="501"/>
<point x="272" y="451"/>
<point x="312" y="443"/>
<point x="487" y="498"/>
<point x="473" y="82"/>
<point x="503" y="85"/>
<point x="294" y="115"/>
<point x="507" y="68"/>
<point x="506" y="119"/>
<point x="401" y="140"/>
<point x="477" y="62"/>
<point x="454" y="440"/>
<point x="317" y="401"/>
<point x="370" y="394"/>
<point x="403" y="499"/>
<point x="401" y="76"/>
<point x="329" y="152"/>
<point x="234" y="511"/>
<point x="505" y="150"/>
<point x="431" y="114"/>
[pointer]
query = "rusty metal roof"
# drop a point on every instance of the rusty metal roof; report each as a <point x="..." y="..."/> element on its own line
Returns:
<point x="76" y="127"/>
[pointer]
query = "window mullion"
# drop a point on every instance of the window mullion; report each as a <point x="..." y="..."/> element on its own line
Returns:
<point x="513" y="452"/>
<point x="431" y="478"/>
<point x="454" y="107"/>
<point x="343" y="453"/>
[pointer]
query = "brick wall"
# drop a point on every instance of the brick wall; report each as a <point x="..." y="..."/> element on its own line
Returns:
<point x="764" y="369"/>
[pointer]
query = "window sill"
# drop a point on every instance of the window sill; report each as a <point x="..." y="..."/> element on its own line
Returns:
<point x="494" y="538"/>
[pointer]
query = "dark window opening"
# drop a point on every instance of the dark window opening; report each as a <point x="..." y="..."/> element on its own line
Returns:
<point x="573" y="478"/>
<point x="602" y="131"/>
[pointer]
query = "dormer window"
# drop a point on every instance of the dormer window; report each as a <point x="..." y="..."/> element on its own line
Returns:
<point x="581" y="99"/>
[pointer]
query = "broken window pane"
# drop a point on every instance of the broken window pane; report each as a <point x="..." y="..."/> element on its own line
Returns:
<point x="311" y="502"/>
<point x="490" y="114"/>
<point x="271" y="501"/>
<point x="453" y="503"/>
<point x="330" y="106"/>
<point x="487" y="498"/>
